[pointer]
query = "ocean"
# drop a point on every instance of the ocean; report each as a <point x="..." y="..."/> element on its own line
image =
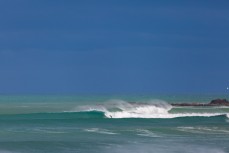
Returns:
<point x="112" y="124"/>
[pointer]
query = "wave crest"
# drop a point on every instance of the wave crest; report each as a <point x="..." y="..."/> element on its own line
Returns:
<point x="139" y="110"/>
<point x="149" y="109"/>
<point x="123" y="109"/>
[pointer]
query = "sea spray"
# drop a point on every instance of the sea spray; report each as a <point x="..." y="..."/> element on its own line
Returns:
<point x="140" y="110"/>
<point x="145" y="109"/>
<point x="72" y="125"/>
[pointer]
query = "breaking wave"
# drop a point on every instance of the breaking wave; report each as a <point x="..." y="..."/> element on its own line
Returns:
<point x="122" y="109"/>
<point x="150" y="109"/>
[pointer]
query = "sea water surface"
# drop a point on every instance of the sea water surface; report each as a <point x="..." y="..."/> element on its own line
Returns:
<point x="112" y="124"/>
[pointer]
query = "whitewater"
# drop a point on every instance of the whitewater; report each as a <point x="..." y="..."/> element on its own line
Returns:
<point x="112" y="124"/>
<point x="150" y="109"/>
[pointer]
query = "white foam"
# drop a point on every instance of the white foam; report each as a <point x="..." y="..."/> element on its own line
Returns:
<point x="146" y="133"/>
<point x="137" y="115"/>
<point x="209" y="130"/>
<point x="49" y="131"/>
<point x="88" y="108"/>
<point x="101" y="131"/>
<point x="154" y="109"/>
<point x="150" y="109"/>
<point x="138" y="110"/>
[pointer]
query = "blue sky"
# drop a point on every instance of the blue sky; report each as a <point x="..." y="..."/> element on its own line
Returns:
<point x="122" y="46"/>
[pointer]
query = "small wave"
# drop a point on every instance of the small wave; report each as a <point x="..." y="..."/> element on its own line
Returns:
<point x="146" y="133"/>
<point x="203" y="130"/>
<point x="49" y="131"/>
<point x="101" y="131"/>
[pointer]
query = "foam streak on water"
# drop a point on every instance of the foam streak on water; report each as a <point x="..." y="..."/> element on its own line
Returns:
<point x="70" y="125"/>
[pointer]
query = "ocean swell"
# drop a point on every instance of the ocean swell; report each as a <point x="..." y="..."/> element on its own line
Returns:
<point x="150" y="109"/>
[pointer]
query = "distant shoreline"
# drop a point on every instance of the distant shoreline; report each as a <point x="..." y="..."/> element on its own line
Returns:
<point x="215" y="102"/>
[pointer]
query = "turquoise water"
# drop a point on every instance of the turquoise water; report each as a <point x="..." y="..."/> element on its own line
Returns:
<point x="112" y="124"/>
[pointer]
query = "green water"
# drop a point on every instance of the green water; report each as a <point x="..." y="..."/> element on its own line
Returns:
<point x="69" y="124"/>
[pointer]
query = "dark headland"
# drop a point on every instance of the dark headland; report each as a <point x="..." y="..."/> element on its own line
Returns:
<point x="215" y="102"/>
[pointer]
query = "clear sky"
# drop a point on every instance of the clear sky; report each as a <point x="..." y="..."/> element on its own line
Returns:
<point x="114" y="46"/>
